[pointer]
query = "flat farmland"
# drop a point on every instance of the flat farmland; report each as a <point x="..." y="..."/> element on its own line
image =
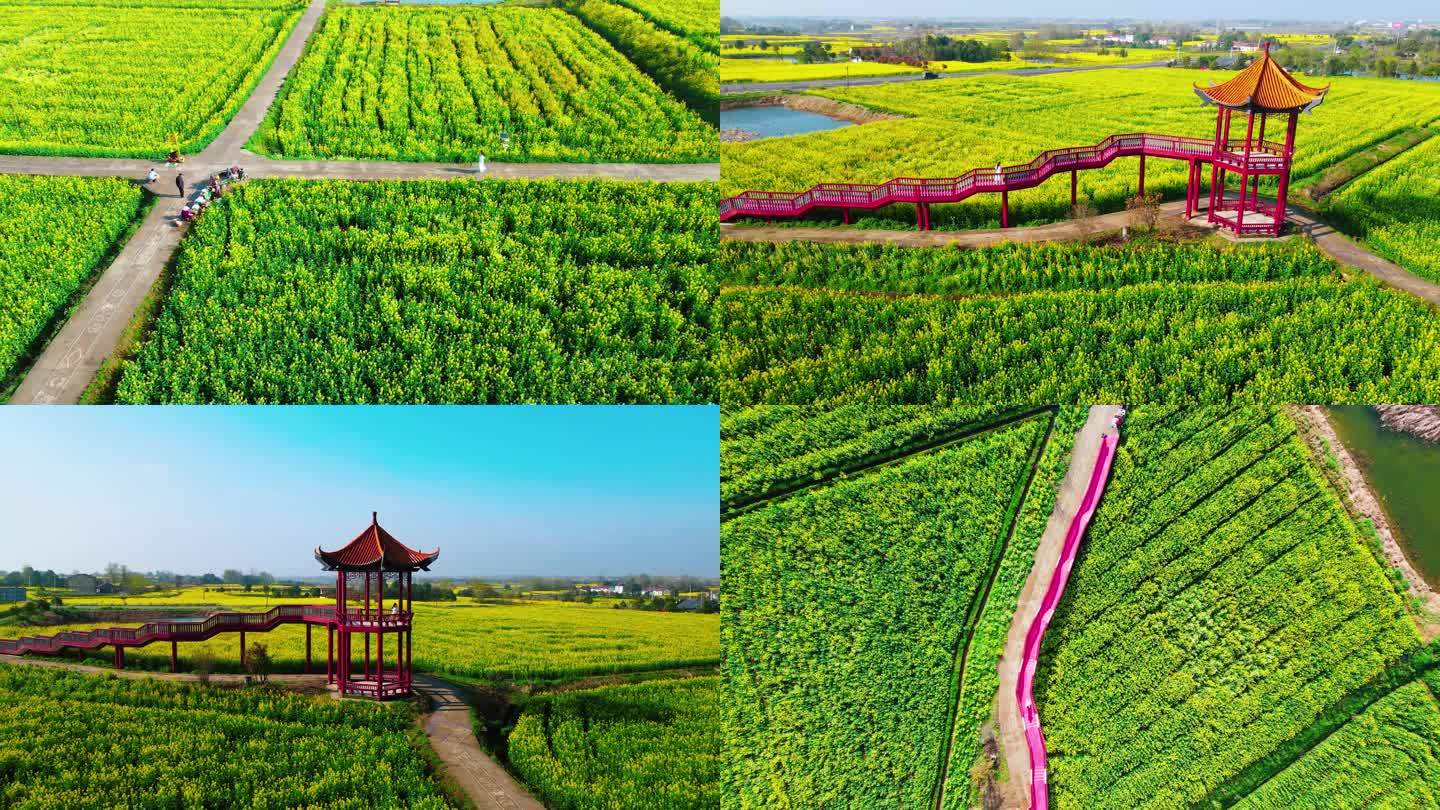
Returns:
<point x="831" y="323"/>
<point x="1395" y="208"/>
<point x="521" y="641"/>
<point x="654" y="744"/>
<point x="1222" y="601"/>
<point x="75" y="741"/>
<point x="436" y="291"/>
<point x="957" y="125"/>
<point x="445" y="84"/>
<point x="117" y="80"/>
<point x="848" y="611"/>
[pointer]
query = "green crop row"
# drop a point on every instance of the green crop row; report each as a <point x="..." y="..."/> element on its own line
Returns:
<point x="687" y="69"/>
<point x="1222" y="600"/>
<point x="74" y="741"/>
<point x="115" y="80"/>
<point x="697" y="20"/>
<point x="448" y="84"/>
<point x="1012" y="267"/>
<point x="768" y="447"/>
<point x="335" y="292"/>
<point x="1297" y="340"/>
<point x="56" y="231"/>
<point x="654" y="744"/>
<point x="981" y="679"/>
<point x="843" y="617"/>
<point x="1385" y="757"/>
<point x="1395" y="208"/>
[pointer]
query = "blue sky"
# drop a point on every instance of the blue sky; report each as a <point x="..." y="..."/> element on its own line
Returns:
<point x="502" y="491"/>
<point x="1141" y="9"/>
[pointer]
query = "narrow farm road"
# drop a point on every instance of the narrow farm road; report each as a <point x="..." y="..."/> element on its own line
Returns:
<point x="228" y="146"/>
<point x="65" y="368"/>
<point x="1329" y="240"/>
<point x="1047" y="554"/>
<point x="820" y="84"/>
<point x="452" y="734"/>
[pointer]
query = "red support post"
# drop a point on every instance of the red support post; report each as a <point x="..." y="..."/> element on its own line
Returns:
<point x="1005" y="209"/>
<point x="330" y="653"/>
<point x="119" y="661"/>
<point x="174" y="657"/>
<point x="845" y="215"/>
<point x="242" y="649"/>
<point x="1141" y="192"/>
<point x="1074" y="180"/>
<point x="307" y="649"/>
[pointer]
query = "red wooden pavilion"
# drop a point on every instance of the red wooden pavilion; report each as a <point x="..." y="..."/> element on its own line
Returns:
<point x="366" y="569"/>
<point x="1264" y="89"/>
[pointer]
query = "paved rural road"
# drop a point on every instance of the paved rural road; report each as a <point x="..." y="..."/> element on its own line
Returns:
<point x="66" y="367"/>
<point x="1047" y="554"/>
<point x="452" y="734"/>
<point x="818" y="84"/>
<point x="1334" y="243"/>
<point x="68" y="364"/>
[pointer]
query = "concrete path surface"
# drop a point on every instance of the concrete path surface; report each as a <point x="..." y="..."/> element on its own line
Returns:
<point x="818" y="84"/>
<point x="1047" y="554"/>
<point x="452" y="734"/>
<point x="66" y="366"/>
<point x="388" y="170"/>
<point x="228" y="146"/>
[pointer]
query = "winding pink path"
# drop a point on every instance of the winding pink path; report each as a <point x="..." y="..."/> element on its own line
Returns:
<point x="1025" y="689"/>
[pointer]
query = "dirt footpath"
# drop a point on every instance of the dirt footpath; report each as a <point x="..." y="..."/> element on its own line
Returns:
<point x="1047" y="555"/>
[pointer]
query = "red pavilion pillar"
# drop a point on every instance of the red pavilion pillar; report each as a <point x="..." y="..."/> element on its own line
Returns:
<point x="307" y="648"/>
<point x="1245" y="175"/>
<point x="380" y="638"/>
<point x="1141" y="192"/>
<point x="1074" y="180"/>
<point x="1005" y="208"/>
<point x="329" y="653"/>
<point x="242" y="649"/>
<point x="1285" y="172"/>
<point x="174" y="656"/>
<point x="364" y="616"/>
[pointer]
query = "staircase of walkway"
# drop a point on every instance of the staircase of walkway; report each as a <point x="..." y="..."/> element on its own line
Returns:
<point x="215" y="623"/>
<point x="1025" y="688"/>
<point x="1265" y="157"/>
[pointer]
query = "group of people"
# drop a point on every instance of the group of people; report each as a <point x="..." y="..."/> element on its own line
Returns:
<point x="212" y="191"/>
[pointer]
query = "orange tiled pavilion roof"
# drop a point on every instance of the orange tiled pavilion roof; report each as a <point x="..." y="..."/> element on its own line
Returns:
<point x="1264" y="86"/>
<point x="376" y="550"/>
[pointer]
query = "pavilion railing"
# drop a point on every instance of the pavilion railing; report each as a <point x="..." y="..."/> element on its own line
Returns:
<point x="1264" y="156"/>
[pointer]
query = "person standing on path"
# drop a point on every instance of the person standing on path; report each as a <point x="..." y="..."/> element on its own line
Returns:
<point x="180" y="184"/>
<point x="480" y="169"/>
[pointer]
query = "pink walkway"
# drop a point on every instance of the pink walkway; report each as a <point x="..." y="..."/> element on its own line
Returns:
<point x="1025" y="689"/>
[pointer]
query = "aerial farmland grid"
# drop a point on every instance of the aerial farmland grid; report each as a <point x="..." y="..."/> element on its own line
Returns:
<point x="1225" y="629"/>
<point x="589" y="107"/>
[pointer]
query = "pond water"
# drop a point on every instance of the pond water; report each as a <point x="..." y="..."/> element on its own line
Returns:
<point x="775" y="120"/>
<point x="1405" y="473"/>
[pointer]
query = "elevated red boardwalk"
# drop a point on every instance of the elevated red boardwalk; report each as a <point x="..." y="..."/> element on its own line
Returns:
<point x="214" y="624"/>
<point x="1025" y="688"/>
<point x="1264" y="158"/>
